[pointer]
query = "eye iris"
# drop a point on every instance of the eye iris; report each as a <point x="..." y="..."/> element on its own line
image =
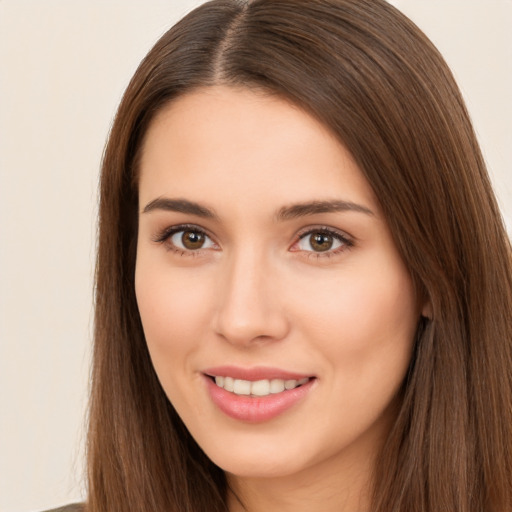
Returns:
<point x="321" y="241"/>
<point x="192" y="239"/>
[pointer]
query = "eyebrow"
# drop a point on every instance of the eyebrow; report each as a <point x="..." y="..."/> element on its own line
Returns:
<point x="179" y="205"/>
<point x="311" y="208"/>
<point x="292" y="211"/>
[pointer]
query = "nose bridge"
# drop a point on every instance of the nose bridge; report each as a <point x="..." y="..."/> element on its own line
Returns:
<point x="249" y="305"/>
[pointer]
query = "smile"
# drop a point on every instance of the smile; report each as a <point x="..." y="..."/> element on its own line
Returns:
<point x="258" y="388"/>
<point x="256" y="395"/>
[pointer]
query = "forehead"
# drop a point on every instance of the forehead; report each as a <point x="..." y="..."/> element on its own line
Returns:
<point x="219" y="141"/>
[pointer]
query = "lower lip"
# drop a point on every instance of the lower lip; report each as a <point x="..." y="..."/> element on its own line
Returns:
<point x="256" y="409"/>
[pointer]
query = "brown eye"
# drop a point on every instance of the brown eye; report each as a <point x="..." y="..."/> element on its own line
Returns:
<point x="321" y="242"/>
<point x="192" y="240"/>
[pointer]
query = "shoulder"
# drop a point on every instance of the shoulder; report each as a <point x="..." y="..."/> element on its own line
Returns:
<point x="75" y="507"/>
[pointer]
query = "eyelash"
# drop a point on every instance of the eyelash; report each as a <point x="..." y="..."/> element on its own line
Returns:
<point x="346" y="242"/>
<point x="164" y="236"/>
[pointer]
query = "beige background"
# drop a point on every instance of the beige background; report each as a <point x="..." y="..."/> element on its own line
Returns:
<point x="63" y="67"/>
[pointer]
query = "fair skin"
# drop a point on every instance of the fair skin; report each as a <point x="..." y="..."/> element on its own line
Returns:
<point x="236" y="278"/>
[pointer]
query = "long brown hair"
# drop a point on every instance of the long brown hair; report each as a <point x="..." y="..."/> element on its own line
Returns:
<point x="371" y="76"/>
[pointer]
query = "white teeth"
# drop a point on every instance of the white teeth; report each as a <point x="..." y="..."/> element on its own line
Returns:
<point x="229" y="383"/>
<point x="290" y="384"/>
<point x="242" y="387"/>
<point x="276" y="386"/>
<point x="258" y="388"/>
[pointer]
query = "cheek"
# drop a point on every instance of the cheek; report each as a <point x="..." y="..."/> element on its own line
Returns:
<point x="365" y="322"/>
<point x="365" y="328"/>
<point x="361" y="304"/>
<point x="174" y="310"/>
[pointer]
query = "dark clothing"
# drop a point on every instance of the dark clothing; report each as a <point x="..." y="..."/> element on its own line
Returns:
<point x="75" y="507"/>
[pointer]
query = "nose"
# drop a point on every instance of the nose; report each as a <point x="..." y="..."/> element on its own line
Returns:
<point x="250" y="307"/>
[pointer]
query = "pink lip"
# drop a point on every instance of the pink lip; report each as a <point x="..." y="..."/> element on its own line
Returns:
<point x="251" y="409"/>
<point x="253" y="374"/>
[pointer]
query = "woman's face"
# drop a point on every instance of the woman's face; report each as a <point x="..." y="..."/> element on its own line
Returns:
<point x="277" y="311"/>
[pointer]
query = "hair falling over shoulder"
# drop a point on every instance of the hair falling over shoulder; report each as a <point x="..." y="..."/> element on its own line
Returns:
<point x="370" y="76"/>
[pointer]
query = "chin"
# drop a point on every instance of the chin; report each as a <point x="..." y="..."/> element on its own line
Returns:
<point x="259" y="466"/>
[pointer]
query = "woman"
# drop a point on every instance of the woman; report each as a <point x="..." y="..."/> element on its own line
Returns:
<point x="304" y="295"/>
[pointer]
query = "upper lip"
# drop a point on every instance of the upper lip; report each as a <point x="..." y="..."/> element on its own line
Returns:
<point x="255" y="373"/>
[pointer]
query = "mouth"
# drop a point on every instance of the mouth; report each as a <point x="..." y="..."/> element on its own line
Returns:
<point x="258" y="394"/>
<point x="257" y="388"/>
